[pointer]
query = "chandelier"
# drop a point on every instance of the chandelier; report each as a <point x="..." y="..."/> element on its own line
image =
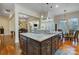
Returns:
<point x="49" y="7"/>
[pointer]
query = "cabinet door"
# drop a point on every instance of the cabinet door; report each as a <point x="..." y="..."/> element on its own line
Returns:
<point x="60" y="42"/>
<point x="33" y="47"/>
<point x="23" y="44"/>
<point x="46" y="47"/>
<point x="55" y="44"/>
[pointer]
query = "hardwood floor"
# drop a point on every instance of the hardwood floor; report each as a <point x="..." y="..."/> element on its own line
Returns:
<point x="68" y="48"/>
<point x="7" y="45"/>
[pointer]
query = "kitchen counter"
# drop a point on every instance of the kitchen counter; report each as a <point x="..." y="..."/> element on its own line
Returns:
<point x="40" y="43"/>
<point x="41" y="36"/>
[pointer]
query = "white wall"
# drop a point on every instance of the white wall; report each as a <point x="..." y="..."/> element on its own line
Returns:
<point x="12" y="23"/>
<point x="21" y="9"/>
<point x="7" y="23"/>
<point x="68" y="16"/>
<point x="4" y="21"/>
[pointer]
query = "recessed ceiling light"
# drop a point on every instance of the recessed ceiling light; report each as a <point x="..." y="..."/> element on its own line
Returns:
<point x="57" y="6"/>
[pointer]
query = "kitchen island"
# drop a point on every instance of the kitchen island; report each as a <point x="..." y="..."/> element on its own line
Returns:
<point x="40" y="43"/>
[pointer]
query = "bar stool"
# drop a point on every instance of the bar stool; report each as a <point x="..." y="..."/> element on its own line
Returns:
<point x="78" y="37"/>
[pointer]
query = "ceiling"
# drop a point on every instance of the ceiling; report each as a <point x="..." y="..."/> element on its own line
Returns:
<point x="43" y="8"/>
<point x="6" y="9"/>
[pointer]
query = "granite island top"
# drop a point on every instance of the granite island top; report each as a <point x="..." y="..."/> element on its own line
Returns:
<point x="41" y="36"/>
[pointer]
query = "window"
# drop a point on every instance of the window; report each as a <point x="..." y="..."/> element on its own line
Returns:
<point x="63" y="26"/>
<point x="74" y="23"/>
<point x="71" y="24"/>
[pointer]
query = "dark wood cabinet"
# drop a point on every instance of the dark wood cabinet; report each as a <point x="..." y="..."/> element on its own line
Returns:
<point x="33" y="47"/>
<point x="49" y="46"/>
<point x="23" y="44"/>
<point x="29" y="46"/>
<point x="46" y="47"/>
<point x="56" y="42"/>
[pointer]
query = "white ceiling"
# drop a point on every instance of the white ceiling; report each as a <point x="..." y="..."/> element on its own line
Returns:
<point x="43" y="7"/>
<point x="4" y="6"/>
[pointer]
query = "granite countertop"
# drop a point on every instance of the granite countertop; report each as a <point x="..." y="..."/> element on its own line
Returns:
<point x="41" y="36"/>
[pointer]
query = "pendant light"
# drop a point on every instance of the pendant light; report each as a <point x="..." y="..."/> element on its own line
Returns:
<point x="42" y="16"/>
<point x="47" y="10"/>
<point x="49" y="7"/>
<point x="65" y="14"/>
